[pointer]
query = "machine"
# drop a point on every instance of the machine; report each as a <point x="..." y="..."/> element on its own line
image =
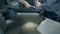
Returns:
<point x="49" y="10"/>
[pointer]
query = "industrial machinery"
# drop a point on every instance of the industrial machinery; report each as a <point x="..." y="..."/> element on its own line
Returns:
<point x="10" y="11"/>
<point x="14" y="7"/>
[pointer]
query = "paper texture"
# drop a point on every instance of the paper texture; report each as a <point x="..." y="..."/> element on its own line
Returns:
<point x="49" y="27"/>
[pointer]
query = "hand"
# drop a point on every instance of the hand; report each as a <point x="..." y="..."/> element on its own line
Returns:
<point x="37" y="4"/>
<point x="27" y="5"/>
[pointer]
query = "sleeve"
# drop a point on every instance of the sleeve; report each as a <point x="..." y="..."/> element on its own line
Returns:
<point x="48" y="12"/>
<point x="13" y="4"/>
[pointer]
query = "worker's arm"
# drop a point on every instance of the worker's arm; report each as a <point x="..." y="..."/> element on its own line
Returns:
<point x="27" y="5"/>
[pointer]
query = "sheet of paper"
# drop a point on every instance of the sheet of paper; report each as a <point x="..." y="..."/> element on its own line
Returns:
<point x="49" y="27"/>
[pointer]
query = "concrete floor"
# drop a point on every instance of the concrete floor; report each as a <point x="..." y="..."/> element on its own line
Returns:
<point x="24" y="24"/>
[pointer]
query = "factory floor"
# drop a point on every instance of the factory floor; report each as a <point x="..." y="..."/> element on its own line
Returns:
<point x="24" y="23"/>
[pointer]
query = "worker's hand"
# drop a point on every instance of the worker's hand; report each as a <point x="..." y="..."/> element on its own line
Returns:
<point x="27" y="5"/>
<point x="37" y="4"/>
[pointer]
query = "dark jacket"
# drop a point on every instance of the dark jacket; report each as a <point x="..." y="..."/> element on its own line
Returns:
<point x="52" y="9"/>
<point x="13" y="4"/>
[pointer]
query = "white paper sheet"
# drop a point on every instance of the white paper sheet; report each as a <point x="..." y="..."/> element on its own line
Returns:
<point x="49" y="27"/>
